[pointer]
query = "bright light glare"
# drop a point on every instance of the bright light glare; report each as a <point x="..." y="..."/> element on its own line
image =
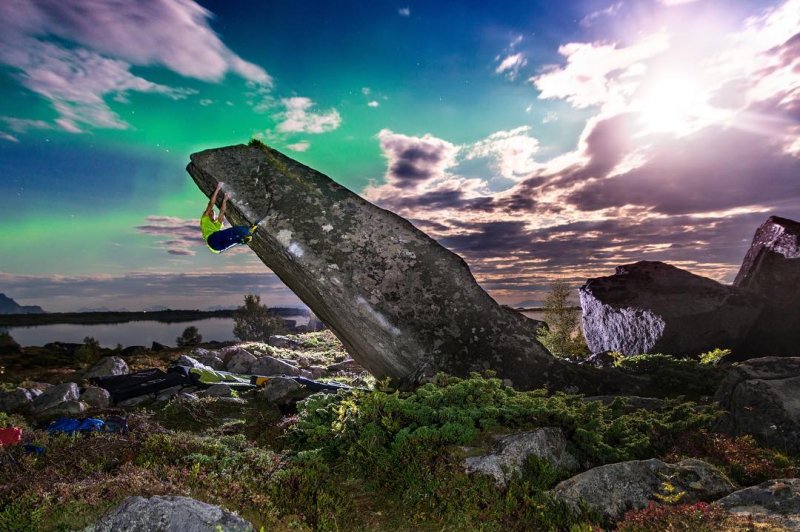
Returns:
<point x="670" y="105"/>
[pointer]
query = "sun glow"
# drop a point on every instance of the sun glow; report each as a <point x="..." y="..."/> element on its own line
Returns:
<point x="671" y="104"/>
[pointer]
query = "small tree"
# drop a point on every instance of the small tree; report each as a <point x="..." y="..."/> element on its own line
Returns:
<point x="191" y="336"/>
<point x="254" y="322"/>
<point x="564" y="336"/>
<point x="89" y="352"/>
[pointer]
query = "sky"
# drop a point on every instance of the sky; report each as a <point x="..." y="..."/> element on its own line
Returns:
<point x="539" y="140"/>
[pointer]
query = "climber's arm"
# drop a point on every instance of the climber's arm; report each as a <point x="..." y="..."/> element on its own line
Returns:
<point x="212" y="201"/>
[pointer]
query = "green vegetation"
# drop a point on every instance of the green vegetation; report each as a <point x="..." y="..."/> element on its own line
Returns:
<point x="254" y="321"/>
<point x="190" y="336"/>
<point x="697" y="517"/>
<point x="669" y="374"/>
<point x="714" y="356"/>
<point x="563" y="336"/>
<point x="89" y="352"/>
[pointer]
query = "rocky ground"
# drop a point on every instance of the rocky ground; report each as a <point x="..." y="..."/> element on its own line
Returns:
<point x="456" y="454"/>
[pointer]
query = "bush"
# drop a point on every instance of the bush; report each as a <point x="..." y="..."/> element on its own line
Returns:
<point x="669" y="374"/>
<point x="190" y="336"/>
<point x="563" y="336"/>
<point x="89" y="352"/>
<point x="697" y="517"/>
<point x="254" y="322"/>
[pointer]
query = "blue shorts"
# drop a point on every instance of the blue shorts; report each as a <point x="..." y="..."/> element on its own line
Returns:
<point x="227" y="238"/>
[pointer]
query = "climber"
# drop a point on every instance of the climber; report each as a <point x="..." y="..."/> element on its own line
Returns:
<point x="218" y="239"/>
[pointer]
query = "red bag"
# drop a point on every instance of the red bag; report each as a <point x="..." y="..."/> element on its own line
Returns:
<point x="10" y="436"/>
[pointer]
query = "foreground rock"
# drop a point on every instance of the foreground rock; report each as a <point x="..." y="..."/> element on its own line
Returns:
<point x="616" y="488"/>
<point x="54" y="396"/>
<point x="17" y="400"/>
<point x="169" y="514"/>
<point x="761" y="396"/>
<point x="283" y="391"/>
<point x="511" y="451"/>
<point x="652" y="307"/>
<point x="775" y="498"/>
<point x="268" y="365"/>
<point x="402" y="305"/>
<point x="96" y="397"/>
<point x="106" y="367"/>
<point x="771" y="269"/>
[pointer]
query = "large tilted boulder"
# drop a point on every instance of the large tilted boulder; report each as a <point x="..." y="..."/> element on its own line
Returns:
<point x="107" y="367"/>
<point x="169" y="514"/>
<point x="779" y="498"/>
<point x="771" y="269"/>
<point x="653" y="307"/>
<point x="614" y="489"/>
<point x="761" y="397"/>
<point x="402" y="305"/>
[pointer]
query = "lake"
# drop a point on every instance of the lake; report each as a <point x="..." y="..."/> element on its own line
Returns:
<point x="128" y="333"/>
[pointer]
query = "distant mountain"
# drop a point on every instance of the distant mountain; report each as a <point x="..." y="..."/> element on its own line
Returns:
<point x="530" y="303"/>
<point x="9" y="306"/>
<point x="101" y="309"/>
<point x="156" y="308"/>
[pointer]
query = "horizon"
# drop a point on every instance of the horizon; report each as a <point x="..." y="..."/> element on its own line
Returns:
<point x="540" y="141"/>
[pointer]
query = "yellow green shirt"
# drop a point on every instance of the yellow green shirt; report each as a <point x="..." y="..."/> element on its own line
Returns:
<point x="208" y="226"/>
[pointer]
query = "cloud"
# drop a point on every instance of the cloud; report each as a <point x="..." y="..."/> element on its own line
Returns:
<point x="510" y="65"/>
<point x="413" y="160"/>
<point x="671" y="3"/>
<point x="592" y="17"/>
<point x="373" y="103"/>
<point x="513" y="150"/>
<point x="299" y="146"/>
<point x="366" y="91"/>
<point x="404" y="11"/>
<point x="205" y="102"/>
<point x="106" y="40"/>
<point x="8" y="137"/>
<point x="183" y="236"/>
<point x="298" y="118"/>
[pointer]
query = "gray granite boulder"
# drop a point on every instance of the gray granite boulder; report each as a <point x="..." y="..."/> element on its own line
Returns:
<point x="511" y="451"/>
<point x="54" y="396"/>
<point x="283" y="342"/>
<point x="268" y="365"/>
<point x="240" y="361"/>
<point x="217" y="390"/>
<point x="283" y="391"/>
<point x="65" y="409"/>
<point x="653" y="307"/>
<point x="185" y="360"/>
<point x="762" y="397"/>
<point x="771" y="269"/>
<point x="614" y="489"/>
<point x="107" y="367"/>
<point x="778" y="499"/>
<point x="348" y="364"/>
<point x="96" y="397"/>
<point x="18" y="399"/>
<point x="169" y="514"/>
<point x="212" y="359"/>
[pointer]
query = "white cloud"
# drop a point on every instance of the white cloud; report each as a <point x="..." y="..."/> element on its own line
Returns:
<point x="404" y="11"/>
<point x="299" y="118"/>
<point x="366" y="91"/>
<point x="676" y="2"/>
<point x="107" y="38"/>
<point x="299" y="146"/>
<point x="205" y="102"/>
<point x="510" y="65"/>
<point x="373" y="103"/>
<point x="6" y="136"/>
<point x="513" y="151"/>
<point x="589" y="19"/>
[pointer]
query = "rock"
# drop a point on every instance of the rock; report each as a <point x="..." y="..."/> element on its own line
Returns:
<point x="268" y="365"/>
<point x="106" y="367"/>
<point x="603" y="359"/>
<point x="209" y="358"/>
<point x="168" y="393"/>
<point x="403" y="306"/>
<point x="63" y="348"/>
<point x="169" y="514"/>
<point x="54" y="396"/>
<point x="40" y="387"/>
<point x="511" y="452"/>
<point x="241" y="361"/>
<point x="218" y="390"/>
<point x="349" y="365"/>
<point x="132" y="350"/>
<point x="761" y="397"/>
<point x="18" y="399"/>
<point x="614" y="489"/>
<point x="283" y="342"/>
<point x="188" y="361"/>
<point x="779" y="497"/>
<point x="65" y="409"/>
<point x="136" y="401"/>
<point x="96" y="397"/>
<point x="156" y="347"/>
<point x="632" y="402"/>
<point x="652" y="307"/>
<point x="188" y="397"/>
<point x="317" y="372"/>
<point x="771" y="269"/>
<point x="283" y="391"/>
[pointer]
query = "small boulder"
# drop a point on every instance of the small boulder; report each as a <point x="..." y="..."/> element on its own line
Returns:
<point x="107" y="367"/>
<point x="54" y="396"/>
<point x="169" y="514"/>
<point x="136" y="401"/>
<point x="168" y="393"/>
<point x="65" y="409"/>
<point x="156" y="347"/>
<point x="16" y="400"/>
<point x="348" y="365"/>
<point x="283" y="342"/>
<point x="283" y="391"/>
<point x="190" y="362"/>
<point x="761" y="397"/>
<point x="511" y="452"/>
<point x="774" y="498"/>
<point x="96" y="397"/>
<point x="241" y="361"/>
<point x="218" y="390"/>
<point x="614" y="489"/>
<point x="317" y="372"/>
<point x="603" y="359"/>
<point x="209" y="358"/>
<point x="653" y="307"/>
<point x="268" y="365"/>
<point x="132" y="350"/>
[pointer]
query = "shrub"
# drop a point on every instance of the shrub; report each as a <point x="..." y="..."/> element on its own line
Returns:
<point x="697" y="517"/>
<point x="254" y="322"/>
<point x="190" y="336"/>
<point x="669" y="374"/>
<point x="714" y="356"/>
<point x="563" y="336"/>
<point x="89" y="352"/>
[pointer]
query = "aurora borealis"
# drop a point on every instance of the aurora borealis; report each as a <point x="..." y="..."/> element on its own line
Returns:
<point x="539" y="140"/>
